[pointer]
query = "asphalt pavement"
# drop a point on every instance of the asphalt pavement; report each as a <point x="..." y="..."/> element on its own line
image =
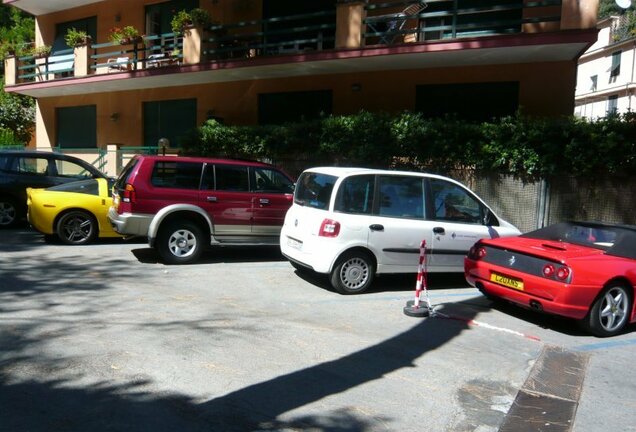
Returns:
<point x="104" y="337"/>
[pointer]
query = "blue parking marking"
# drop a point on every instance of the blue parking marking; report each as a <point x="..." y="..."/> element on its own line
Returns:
<point x="604" y="345"/>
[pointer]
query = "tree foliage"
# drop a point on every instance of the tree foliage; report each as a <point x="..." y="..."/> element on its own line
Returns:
<point x="526" y="147"/>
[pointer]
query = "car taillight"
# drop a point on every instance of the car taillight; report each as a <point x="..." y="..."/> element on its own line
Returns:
<point x="563" y="273"/>
<point x="329" y="228"/>
<point x="548" y="270"/>
<point x="129" y="195"/>
<point x="477" y="252"/>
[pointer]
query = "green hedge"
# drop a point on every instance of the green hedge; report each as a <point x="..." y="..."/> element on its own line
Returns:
<point x="528" y="148"/>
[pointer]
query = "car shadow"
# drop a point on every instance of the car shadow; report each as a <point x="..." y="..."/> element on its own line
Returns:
<point x="220" y="254"/>
<point x="392" y="282"/>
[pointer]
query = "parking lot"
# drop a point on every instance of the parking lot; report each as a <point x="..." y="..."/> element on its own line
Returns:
<point x="107" y="338"/>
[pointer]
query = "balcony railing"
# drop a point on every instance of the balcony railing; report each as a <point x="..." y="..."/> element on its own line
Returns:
<point x="382" y="23"/>
<point x="273" y="36"/>
<point x="624" y="27"/>
<point x="443" y="19"/>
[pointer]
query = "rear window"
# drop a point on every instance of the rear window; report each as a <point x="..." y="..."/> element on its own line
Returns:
<point x="180" y="175"/>
<point x="314" y="190"/>
<point x="355" y="195"/>
<point x="125" y="174"/>
<point x="89" y="187"/>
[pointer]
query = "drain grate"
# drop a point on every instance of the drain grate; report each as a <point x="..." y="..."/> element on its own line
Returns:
<point x="549" y="398"/>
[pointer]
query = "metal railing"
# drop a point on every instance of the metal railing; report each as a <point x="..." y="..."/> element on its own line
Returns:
<point x="53" y="66"/>
<point x="272" y="36"/>
<point x="444" y="19"/>
<point x="139" y="53"/>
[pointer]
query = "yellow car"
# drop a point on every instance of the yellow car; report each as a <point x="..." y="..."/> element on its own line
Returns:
<point x="74" y="212"/>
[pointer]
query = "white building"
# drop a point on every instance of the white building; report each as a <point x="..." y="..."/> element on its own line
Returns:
<point x="606" y="72"/>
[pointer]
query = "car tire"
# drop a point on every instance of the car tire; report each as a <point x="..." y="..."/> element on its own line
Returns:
<point x="610" y="312"/>
<point x="180" y="242"/>
<point x="353" y="273"/>
<point x="76" y="227"/>
<point x="10" y="213"/>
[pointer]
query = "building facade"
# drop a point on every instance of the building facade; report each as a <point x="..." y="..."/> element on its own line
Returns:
<point x="605" y="79"/>
<point x="272" y="61"/>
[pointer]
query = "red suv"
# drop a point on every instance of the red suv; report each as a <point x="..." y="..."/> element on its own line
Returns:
<point x="183" y="204"/>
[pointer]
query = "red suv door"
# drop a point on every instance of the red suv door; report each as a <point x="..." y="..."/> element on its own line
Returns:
<point x="226" y="197"/>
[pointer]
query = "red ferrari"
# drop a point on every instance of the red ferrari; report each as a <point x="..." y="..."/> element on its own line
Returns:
<point x="580" y="270"/>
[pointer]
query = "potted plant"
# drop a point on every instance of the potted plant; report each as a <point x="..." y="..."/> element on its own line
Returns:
<point x="124" y="35"/>
<point x="74" y="37"/>
<point x="40" y="51"/>
<point x="183" y="20"/>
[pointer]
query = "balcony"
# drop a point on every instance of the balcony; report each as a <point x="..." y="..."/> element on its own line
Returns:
<point x="356" y="37"/>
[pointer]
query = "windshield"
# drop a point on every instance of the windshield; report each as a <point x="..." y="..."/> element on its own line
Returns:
<point x="314" y="190"/>
<point x="618" y="240"/>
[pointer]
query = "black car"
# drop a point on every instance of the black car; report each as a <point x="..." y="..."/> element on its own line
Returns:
<point x="22" y="169"/>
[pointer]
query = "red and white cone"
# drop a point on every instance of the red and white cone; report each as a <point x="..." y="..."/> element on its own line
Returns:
<point x="420" y="307"/>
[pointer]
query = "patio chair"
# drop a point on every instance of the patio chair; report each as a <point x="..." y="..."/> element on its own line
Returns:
<point x="391" y="25"/>
<point x="117" y="64"/>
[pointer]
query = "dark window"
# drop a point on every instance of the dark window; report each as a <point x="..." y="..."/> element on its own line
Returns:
<point x="30" y="165"/>
<point x="615" y="69"/>
<point x="471" y="101"/>
<point x="355" y="195"/>
<point x="453" y="203"/>
<point x="159" y="16"/>
<point x="289" y="32"/>
<point x="612" y="105"/>
<point x="77" y="127"/>
<point x="401" y="196"/>
<point x="89" y="25"/>
<point x="181" y="175"/>
<point x="231" y="178"/>
<point x="594" y="79"/>
<point x="171" y="119"/>
<point x="314" y="190"/>
<point x="270" y="180"/>
<point x="278" y="108"/>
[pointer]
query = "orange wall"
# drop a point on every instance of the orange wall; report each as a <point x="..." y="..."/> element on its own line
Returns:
<point x="237" y="102"/>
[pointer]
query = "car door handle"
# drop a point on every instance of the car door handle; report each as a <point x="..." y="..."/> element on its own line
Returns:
<point x="264" y="201"/>
<point x="211" y="199"/>
<point x="439" y="230"/>
<point x="376" y="227"/>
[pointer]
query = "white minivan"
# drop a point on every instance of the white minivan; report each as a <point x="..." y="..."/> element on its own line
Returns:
<point x="354" y="223"/>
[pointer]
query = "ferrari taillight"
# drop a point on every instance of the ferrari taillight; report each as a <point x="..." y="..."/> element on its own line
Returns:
<point x="548" y="270"/>
<point x="329" y="228"/>
<point x="477" y="252"/>
<point x="129" y="195"/>
<point x="563" y="273"/>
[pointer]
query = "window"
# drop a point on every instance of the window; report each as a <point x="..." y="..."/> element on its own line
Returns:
<point x="89" y="25"/>
<point x="314" y="190"/>
<point x="77" y="127"/>
<point x="278" y="108"/>
<point x="71" y="169"/>
<point x="615" y="69"/>
<point x="612" y="105"/>
<point x="401" y="196"/>
<point x="182" y="175"/>
<point x="171" y="119"/>
<point x="496" y="99"/>
<point x="231" y="178"/>
<point x="269" y="180"/>
<point x="355" y="195"/>
<point x="30" y="165"/>
<point x="88" y="187"/>
<point x="453" y="203"/>
<point x="159" y="16"/>
<point x="594" y="79"/>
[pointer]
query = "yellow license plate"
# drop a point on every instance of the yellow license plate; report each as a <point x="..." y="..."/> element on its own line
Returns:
<point x="507" y="281"/>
